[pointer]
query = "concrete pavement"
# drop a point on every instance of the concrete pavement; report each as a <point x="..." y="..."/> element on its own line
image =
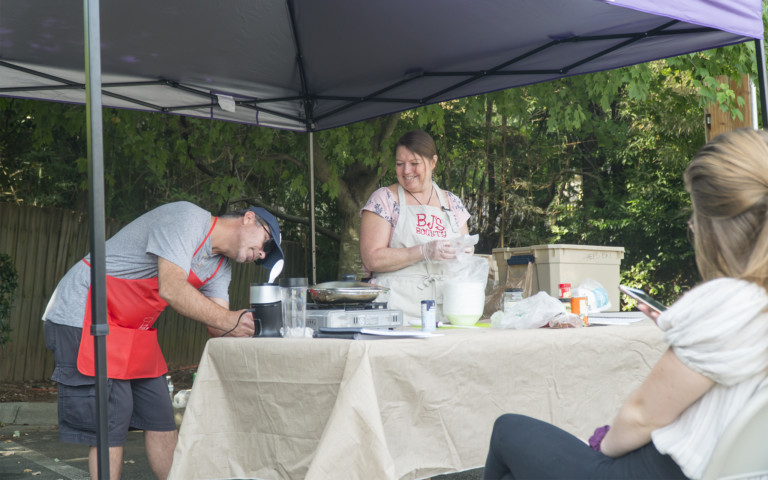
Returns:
<point x="30" y="449"/>
<point x="28" y="413"/>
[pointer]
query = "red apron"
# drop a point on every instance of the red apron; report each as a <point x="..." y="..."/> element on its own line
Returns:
<point x="133" y="305"/>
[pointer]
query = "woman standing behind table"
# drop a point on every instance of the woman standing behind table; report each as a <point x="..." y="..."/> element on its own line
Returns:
<point x="404" y="229"/>
<point x="718" y="337"/>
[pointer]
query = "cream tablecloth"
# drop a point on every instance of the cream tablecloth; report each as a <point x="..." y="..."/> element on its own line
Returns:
<point x="397" y="409"/>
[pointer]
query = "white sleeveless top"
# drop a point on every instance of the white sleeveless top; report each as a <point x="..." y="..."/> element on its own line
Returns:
<point x="719" y="329"/>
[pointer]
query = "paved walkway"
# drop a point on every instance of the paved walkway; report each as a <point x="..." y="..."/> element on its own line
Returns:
<point x="33" y="413"/>
<point x="30" y="449"/>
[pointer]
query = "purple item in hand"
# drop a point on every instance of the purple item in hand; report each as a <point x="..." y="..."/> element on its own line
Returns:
<point x="596" y="439"/>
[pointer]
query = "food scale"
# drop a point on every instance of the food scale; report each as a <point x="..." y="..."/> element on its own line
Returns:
<point x="347" y="315"/>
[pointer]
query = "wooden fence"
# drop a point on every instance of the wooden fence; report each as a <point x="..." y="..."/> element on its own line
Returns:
<point x="44" y="243"/>
<point x="717" y="121"/>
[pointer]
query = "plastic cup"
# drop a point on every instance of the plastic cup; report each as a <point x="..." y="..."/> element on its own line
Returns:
<point x="293" y="293"/>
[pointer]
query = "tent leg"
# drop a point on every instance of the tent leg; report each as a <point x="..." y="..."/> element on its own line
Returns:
<point x="312" y="204"/>
<point x="760" y="57"/>
<point x="99" y="329"/>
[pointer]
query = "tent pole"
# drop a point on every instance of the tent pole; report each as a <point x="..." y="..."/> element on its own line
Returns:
<point x="753" y="104"/>
<point x="99" y="328"/>
<point x="312" y="203"/>
<point x="761" y="80"/>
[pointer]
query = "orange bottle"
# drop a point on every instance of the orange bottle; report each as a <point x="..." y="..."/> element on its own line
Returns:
<point x="579" y="307"/>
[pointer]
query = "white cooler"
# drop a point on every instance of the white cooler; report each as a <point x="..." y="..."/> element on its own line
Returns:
<point x="555" y="264"/>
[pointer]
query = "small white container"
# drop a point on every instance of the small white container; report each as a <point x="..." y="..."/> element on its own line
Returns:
<point x="428" y="318"/>
<point x="170" y="386"/>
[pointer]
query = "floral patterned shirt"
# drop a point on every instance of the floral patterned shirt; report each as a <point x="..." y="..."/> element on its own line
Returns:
<point x="384" y="203"/>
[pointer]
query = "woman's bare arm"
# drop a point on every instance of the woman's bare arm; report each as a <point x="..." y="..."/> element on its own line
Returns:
<point x="375" y="252"/>
<point x="670" y="388"/>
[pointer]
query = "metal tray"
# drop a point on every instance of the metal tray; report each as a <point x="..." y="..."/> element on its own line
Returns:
<point x="345" y="292"/>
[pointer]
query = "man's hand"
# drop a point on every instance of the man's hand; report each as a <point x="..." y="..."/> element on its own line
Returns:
<point x="242" y="326"/>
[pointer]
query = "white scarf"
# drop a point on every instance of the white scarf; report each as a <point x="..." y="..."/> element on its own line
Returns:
<point x="720" y="329"/>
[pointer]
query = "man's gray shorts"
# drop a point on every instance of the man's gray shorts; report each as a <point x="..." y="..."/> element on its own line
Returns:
<point x="139" y="404"/>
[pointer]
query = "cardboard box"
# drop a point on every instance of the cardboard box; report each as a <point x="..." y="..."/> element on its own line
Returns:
<point x="556" y="264"/>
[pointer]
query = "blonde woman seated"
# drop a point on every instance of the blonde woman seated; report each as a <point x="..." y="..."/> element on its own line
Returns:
<point x="717" y="335"/>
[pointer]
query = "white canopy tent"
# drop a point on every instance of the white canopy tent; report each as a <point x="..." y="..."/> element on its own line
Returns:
<point x="310" y="65"/>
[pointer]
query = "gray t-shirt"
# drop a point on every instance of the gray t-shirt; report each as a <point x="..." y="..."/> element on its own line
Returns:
<point x="173" y="232"/>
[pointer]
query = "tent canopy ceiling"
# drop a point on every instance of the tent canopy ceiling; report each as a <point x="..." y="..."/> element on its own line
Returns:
<point x="308" y="65"/>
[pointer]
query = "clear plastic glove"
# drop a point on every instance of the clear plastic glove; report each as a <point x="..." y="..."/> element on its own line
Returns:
<point x="438" y="251"/>
<point x="465" y="246"/>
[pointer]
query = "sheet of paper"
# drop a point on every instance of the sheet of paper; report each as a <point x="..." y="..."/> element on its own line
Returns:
<point x="615" y="318"/>
<point x="385" y="333"/>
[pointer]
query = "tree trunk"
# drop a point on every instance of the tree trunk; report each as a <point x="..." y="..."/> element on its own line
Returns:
<point x="349" y="251"/>
<point x="355" y="186"/>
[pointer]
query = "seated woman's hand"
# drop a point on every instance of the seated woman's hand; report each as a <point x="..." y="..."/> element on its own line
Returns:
<point x="438" y="251"/>
<point x="653" y="314"/>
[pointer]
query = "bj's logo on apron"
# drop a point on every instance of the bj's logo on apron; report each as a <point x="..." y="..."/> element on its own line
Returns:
<point x="430" y="225"/>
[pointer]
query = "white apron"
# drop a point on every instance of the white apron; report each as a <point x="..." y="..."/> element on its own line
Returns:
<point x="418" y="224"/>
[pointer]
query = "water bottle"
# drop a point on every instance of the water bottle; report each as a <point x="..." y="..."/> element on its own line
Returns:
<point x="170" y="386"/>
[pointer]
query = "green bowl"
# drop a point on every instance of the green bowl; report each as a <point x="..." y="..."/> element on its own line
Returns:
<point x="463" y="320"/>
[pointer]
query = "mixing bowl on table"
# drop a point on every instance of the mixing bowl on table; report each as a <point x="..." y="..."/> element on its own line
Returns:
<point x="463" y="320"/>
<point x="463" y="302"/>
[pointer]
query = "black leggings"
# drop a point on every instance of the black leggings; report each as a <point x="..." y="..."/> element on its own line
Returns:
<point x="526" y="448"/>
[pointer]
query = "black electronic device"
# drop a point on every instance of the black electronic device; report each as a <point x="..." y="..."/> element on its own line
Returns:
<point x="643" y="297"/>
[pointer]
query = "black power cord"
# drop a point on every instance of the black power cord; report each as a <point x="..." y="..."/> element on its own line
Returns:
<point x="238" y="322"/>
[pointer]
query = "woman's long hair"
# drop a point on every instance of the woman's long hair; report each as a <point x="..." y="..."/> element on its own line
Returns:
<point x="728" y="183"/>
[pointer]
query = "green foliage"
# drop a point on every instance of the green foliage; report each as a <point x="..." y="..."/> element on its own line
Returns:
<point x="8" y="285"/>
<point x="594" y="159"/>
<point x="591" y="159"/>
<point x="38" y="149"/>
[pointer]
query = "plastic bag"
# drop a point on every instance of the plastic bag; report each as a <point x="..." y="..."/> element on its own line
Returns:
<point x="569" y="320"/>
<point x="464" y="286"/>
<point x="181" y="398"/>
<point x="516" y="278"/>
<point x="463" y="243"/>
<point x="473" y="270"/>
<point x="532" y="312"/>
<point x="466" y="267"/>
<point x="597" y="295"/>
